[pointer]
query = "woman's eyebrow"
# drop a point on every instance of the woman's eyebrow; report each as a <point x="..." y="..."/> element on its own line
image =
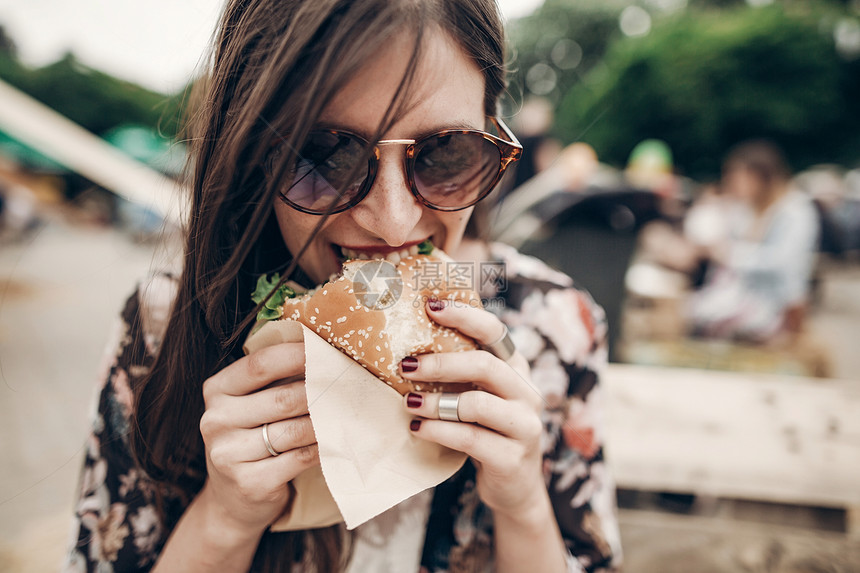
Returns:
<point x="448" y="125"/>
<point x="332" y="126"/>
<point x="453" y="125"/>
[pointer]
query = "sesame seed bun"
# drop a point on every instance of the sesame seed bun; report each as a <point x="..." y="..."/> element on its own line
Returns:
<point x="374" y="312"/>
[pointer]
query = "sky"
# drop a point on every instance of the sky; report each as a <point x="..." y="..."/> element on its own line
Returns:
<point x="157" y="43"/>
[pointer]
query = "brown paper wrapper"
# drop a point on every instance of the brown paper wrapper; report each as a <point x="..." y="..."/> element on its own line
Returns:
<point x="369" y="460"/>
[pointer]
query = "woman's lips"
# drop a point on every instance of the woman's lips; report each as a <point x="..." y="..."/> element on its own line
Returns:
<point x="390" y="254"/>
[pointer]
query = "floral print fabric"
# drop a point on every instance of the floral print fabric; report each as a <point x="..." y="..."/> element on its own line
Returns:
<point x="557" y="327"/>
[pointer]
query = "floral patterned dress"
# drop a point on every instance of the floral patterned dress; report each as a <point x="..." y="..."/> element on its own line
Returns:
<point x="556" y="326"/>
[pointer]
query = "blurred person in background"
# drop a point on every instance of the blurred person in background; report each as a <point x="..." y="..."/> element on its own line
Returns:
<point x="18" y="211"/>
<point x="758" y="277"/>
<point x="681" y="245"/>
<point x="651" y="166"/>
<point x="302" y="158"/>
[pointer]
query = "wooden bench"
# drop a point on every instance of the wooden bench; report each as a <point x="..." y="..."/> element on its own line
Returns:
<point x="736" y="435"/>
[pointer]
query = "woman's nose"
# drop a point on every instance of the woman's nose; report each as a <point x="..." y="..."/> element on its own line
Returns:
<point x="390" y="211"/>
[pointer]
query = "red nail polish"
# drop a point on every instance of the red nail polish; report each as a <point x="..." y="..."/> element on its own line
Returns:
<point x="435" y="304"/>
<point x="414" y="400"/>
<point x="414" y="425"/>
<point x="409" y="364"/>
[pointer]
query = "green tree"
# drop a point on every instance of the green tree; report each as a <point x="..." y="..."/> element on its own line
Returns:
<point x="95" y="100"/>
<point x="559" y="43"/>
<point x="703" y="81"/>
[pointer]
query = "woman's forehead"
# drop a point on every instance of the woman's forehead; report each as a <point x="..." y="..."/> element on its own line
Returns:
<point x="447" y="90"/>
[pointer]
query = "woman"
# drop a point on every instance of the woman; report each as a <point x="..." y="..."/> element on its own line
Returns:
<point x="759" y="276"/>
<point x="177" y="476"/>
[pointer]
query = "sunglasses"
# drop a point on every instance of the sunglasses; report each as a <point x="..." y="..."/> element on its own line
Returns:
<point x="447" y="171"/>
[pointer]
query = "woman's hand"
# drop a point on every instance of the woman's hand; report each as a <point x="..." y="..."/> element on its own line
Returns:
<point x="500" y="427"/>
<point x="246" y="483"/>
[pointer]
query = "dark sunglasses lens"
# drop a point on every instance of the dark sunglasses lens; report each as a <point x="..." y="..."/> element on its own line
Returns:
<point x="456" y="169"/>
<point x="327" y="171"/>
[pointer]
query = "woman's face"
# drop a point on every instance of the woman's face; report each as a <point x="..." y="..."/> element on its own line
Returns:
<point x="743" y="184"/>
<point x="448" y="93"/>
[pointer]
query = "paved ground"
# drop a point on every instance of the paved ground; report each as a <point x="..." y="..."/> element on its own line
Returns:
<point x="59" y="292"/>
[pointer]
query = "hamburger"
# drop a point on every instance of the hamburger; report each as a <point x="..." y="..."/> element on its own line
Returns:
<point x="374" y="312"/>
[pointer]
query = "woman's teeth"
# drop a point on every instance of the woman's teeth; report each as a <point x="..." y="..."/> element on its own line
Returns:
<point x="393" y="257"/>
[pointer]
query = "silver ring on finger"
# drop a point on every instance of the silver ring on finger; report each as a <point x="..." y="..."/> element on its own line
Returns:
<point x="449" y="406"/>
<point x="502" y="348"/>
<point x="267" y="443"/>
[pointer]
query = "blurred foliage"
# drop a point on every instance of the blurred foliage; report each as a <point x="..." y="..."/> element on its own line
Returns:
<point x="715" y="3"/>
<point x="544" y="38"/>
<point x="704" y="79"/>
<point x="95" y="100"/>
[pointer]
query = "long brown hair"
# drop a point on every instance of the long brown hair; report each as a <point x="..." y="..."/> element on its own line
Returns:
<point x="276" y="65"/>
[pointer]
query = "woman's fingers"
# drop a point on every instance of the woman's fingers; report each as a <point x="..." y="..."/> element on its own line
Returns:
<point x="291" y="463"/>
<point x="484" y="327"/>
<point x="478" y="442"/>
<point x="284" y="436"/>
<point x="278" y="402"/>
<point x="476" y="366"/>
<point x="499" y="425"/>
<point x="261" y="390"/>
<point x="502" y="436"/>
<point x="473" y="322"/>
<point x="248" y="445"/>
<point x="508" y="418"/>
<point x="261" y="481"/>
<point x="257" y="370"/>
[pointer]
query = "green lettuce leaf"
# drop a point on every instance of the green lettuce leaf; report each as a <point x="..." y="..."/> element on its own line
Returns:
<point x="264" y="287"/>
<point x="425" y="248"/>
<point x="272" y="309"/>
